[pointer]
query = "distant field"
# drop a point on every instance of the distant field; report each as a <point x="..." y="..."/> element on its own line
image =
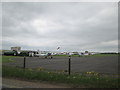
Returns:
<point x="104" y="55"/>
<point x="91" y="55"/>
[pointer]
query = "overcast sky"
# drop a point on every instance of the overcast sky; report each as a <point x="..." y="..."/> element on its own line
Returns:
<point x="71" y="26"/>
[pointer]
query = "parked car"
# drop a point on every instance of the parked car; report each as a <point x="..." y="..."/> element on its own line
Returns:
<point x="11" y="53"/>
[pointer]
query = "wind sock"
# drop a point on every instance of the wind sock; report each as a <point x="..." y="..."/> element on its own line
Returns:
<point x="58" y="48"/>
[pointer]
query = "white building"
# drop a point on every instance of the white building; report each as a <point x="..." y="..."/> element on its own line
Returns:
<point x="16" y="48"/>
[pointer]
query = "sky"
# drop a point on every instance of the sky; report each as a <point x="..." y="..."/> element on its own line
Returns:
<point x="72" y="26"/>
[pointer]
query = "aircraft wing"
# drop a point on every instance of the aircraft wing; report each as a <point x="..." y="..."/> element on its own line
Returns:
<point x="41" y="55"/>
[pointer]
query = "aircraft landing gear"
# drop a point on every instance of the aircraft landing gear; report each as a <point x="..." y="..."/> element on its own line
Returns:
<point x="51" y="57"/>
<point x="45" y="56"/>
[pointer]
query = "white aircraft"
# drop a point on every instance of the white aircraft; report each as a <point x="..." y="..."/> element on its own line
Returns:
<point x="43" y="55"/>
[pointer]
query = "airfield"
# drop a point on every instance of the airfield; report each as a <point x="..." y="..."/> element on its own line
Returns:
<point x="100" y="64"/>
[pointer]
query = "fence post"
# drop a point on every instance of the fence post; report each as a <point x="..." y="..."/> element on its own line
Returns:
<point x="69" y="66"/>
<point x="24" y="65"/>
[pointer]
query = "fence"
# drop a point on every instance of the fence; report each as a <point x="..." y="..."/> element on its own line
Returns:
<point x="69" y="64"/>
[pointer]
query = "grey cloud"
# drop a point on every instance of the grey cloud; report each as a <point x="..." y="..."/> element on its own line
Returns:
<point x="69" y="25"/>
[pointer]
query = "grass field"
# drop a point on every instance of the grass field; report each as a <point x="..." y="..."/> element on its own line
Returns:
<point x="104" y="55"/>
<point x="88" y="79"/>
<point x="6" y="59"/>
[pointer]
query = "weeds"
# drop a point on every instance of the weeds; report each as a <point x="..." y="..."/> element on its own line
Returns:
<point x="87" y="79"/>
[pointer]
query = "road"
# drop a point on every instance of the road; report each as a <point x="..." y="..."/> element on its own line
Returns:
<point x="100" y="64"/>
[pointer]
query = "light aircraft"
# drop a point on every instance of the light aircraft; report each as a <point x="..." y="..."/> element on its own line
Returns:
<point x="46" y="55"/>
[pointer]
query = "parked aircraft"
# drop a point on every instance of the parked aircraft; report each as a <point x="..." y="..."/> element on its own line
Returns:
<point x="46" y="55"/>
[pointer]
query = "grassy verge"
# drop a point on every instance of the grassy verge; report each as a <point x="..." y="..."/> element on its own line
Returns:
<point x="104" y="55"/>
<point x="6" y="59"/>
<point x="91" y="80"/>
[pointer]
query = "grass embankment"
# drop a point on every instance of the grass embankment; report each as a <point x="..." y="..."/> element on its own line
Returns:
<point x="91" y="80"/>
<point x="88" y="80"/>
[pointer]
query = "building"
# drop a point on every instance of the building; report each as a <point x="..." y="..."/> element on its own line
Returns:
<point x="16" y="48"/>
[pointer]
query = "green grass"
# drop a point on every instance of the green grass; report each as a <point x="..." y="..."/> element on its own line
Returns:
<point x="6" y="59"/>
<point x="98" y="55"/>
<point x="81" y="79"/>
<point x="101" y="55"/>
<point x="105" y="55"/>
<point x="91" y="81"/>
